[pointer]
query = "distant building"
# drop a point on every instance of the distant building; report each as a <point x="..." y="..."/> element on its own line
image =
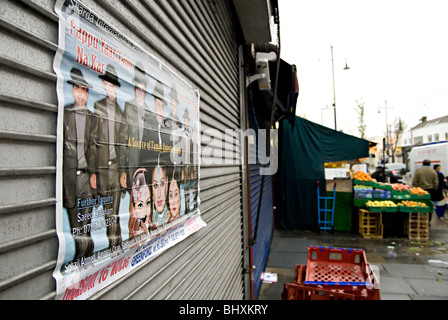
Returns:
<point x="427" y="131"/>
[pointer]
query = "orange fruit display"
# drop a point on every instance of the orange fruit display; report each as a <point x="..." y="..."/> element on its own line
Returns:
<point x="360" y="175"/>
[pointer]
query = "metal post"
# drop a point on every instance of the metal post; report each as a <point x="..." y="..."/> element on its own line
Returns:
<point x="334" y="90"/>
<point x="245" y="181"/>
<point x="387" y="134"/>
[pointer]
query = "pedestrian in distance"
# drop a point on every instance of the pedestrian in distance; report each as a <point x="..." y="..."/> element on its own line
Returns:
<point x="379" y="175"/>
<point x="426" y="178"/>
<point x="439" y="194"/>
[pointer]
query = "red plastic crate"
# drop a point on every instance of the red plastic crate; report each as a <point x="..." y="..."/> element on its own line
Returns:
<point x="299" y="291"/>
<point x="294" y="291"/>
<point x="337" y="267"/>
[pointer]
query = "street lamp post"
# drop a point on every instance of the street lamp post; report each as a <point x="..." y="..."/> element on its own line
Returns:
<point x="334" y="90"/>
<point x="386" y="146"/>
<point x="334" y="87"/>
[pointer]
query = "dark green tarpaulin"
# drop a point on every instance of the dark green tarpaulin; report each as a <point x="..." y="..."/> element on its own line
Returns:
<point x="305" y="148"/>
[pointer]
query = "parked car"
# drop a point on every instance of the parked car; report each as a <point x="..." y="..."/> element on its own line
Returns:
<point x="395" y="171"/>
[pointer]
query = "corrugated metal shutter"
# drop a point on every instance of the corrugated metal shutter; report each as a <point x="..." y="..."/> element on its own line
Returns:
<point x="197" y="40"/>
<point x="261" y="200"/>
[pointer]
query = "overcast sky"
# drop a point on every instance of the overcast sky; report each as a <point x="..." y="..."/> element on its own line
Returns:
<point x="397" y="51"/>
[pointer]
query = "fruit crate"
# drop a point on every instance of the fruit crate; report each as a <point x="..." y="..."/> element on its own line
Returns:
<point x="417" y="226"/>
<point x="298" y="291"/>
<point x="381" y="194"/>
<point x="416" y="196"/>
<point x="294" y="291"/>
<point x="372" y="232"/>
<point x="370" y="224"/>
<point x="418" y="234"/>
<point x="362" y="182"/>
<point x="343" y="270"/>
<point x="363" y="193"/>
<point x="299" y="274"/>
<point x="336" y="266"/>
<point x="419" y="219"/>
<point x="382" y="186"/>
<point x="414" y="209"/>
<point x="401" y="194"/>
<point x="383" y="209"/>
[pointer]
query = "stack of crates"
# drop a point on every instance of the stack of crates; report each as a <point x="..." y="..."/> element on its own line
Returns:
<point x="298" y="291"/>
<point x="417" y="226"/>
<point x="370" y="224"/>
<point x="333" y="274"/>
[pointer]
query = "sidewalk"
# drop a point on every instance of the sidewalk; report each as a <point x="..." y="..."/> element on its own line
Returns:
<point x="405" y="273"/>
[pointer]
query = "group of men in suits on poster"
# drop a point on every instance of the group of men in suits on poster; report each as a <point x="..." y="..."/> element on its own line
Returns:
<point x="109" y="151"/>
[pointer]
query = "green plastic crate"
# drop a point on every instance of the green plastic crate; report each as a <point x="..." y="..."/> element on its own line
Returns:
<point x="420" y="197"/>
<point x="401" y="194"/>
<point x="362" y="182"/>
<point x="383" y="209"/>
<point x="414" y="209"/>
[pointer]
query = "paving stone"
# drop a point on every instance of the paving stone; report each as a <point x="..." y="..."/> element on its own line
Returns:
<point x="403" y="276"/>
<point x="408" y="270"/>
<point x="391" y="285"/>
<point x="291" y="244"/>
<point x="286" y="259"/>
<point x="427" y="287"/>
<point x="394" y="296"/>
<point x="427" y="298"/>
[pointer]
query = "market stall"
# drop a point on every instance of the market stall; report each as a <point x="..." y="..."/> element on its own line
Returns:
<point x="304" y="148"/>
<point x="390" y="210"/>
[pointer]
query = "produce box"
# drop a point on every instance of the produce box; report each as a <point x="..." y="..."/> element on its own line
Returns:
<point x="363" y="182"/>
<point x="417" y="226"/>
<point x="383" y="209"/>
<point x="419" y="193"/>
<point x="381" y="206"/>
<point x="401" y="194"/>
<point x="297" y="290"/>
<point x="381" y="186"/>
<point x="363" y="193"/>
<point x="294" y="291"/>
<point x="413" y="206"/>
<point x="414" y="209"/>
<point x="419" y="196"/>
<point x="370" y="224"/>
<point x="341" y="270"/>
<point x="333" y="266"/>
<point x="382" y="194"/>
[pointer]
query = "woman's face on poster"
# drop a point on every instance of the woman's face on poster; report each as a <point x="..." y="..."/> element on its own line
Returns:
<point x="159" y="188"/>
<point x="142" y="203"/>
<point x="174" y="198"/>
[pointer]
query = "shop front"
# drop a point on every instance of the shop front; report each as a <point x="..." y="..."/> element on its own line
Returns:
<point x="79" y="217"/>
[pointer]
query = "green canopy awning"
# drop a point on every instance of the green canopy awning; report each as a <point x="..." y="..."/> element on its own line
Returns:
<point x="305" y="148"/>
